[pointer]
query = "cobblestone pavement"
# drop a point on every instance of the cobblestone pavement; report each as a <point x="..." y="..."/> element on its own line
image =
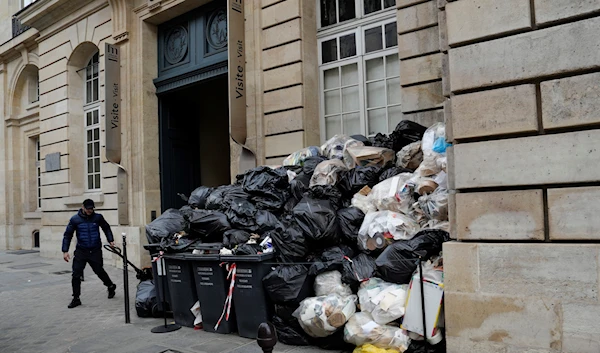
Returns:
<point x="35" y="292"/>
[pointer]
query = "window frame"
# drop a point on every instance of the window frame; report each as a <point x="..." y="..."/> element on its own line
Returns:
<point x="357" y="26"/>
<point x="92" y="127"/>
<point x="89" y="108"/>
<point x="359" y="11"/>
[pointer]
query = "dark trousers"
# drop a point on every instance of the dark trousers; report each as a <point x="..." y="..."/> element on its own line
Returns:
<point x="80" y="259"/>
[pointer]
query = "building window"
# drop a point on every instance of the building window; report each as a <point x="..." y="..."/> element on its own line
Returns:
<point x="92" y="85"/>
<point x="92" y="124"/>
<point x="335" y="12"/>
<point x="359" y="69"/>
<point x="25" y="3"/>
<point x="38" y="167"/>
<point x="33" y="87"/>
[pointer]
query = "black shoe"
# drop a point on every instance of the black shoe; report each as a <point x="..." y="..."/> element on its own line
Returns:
<point x="75" y="302"/>
<point x="111" y="291"/>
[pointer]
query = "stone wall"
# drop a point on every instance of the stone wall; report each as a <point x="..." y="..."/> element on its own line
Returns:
<point x="288" y="61"/>
<point x="523" y="96"/>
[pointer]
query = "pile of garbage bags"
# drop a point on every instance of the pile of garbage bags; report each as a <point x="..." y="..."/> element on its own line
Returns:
<point x="349" y="222"/>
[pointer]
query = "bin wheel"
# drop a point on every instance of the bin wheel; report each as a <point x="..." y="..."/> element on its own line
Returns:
<point x="155" y="311"/>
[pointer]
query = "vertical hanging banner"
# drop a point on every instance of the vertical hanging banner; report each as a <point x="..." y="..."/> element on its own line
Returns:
<point x="112" y="125"/>
<point x="112" y="103"/>
<point x="236" y="71"/>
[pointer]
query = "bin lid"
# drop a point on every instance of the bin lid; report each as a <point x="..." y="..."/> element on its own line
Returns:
<point x="175" y="256"/>
<point x="208" y="246"/>
<point x="248" y="258"/>
<point x="203" y="257"/>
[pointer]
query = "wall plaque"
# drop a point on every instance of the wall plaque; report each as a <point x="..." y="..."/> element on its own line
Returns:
<point x="52" y="162"/>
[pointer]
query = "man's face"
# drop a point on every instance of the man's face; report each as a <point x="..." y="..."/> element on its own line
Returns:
<point x="88" y="211"/>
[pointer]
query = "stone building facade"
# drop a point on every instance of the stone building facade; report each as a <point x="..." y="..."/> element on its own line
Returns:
<point x="515" y="80"/>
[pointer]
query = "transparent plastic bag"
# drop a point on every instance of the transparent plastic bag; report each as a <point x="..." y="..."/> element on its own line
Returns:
<point x="322" y="316"/>
<point x="386" y="195"/>
<point x="433" y="224"/>
<point x="432" y="164"/>
<point x="384" y="301"/>
<point x="437" y="132"/>
<point x="363" y="203"/>
<point x="334" y="147"/>
<point x="381" y="228"/>
<point x="298" y="157"/>
<point x="361" y="330"/>
<point x="327" y="172"/>
<point x="331" y="283"/>
<point x="410" y="156"/>
<point x="435" y="205"/>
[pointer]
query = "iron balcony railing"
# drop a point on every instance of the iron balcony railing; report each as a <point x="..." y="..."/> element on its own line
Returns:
<point x="18" y="27"/>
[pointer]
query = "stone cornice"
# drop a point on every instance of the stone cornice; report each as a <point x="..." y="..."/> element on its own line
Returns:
<point x="15" y="47"/>
<point x="43" y="13"/>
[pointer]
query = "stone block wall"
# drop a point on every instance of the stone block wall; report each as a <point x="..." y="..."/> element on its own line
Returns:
<point x="287" y="61"/>
<point x="521" y="80"/>
<point x="421" y="60"/>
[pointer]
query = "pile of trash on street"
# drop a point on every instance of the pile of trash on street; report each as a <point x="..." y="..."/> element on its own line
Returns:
<point x="352" y="224"/>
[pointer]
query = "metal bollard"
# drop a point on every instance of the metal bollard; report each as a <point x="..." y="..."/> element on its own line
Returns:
<point x="266" y="337"/>
<point x="126" y="279"/>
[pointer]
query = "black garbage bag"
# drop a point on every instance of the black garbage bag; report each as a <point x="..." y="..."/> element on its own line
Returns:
<point x="405" y="133"/>
<point x="234" y="237"/>
<point x="289" y="284"/>
<point x="266" y="221"/>
<point x="317" y="220"/>
<point x="173" y="244"/>
<point x="286" y="312"/>
<point x="290" y="204"/>
<point x="382" y="140"/>
<point x="268" y="187"/>
<point x="290" y="332"/>
<point x="333" y="342"/>
<point x="361" y="268"/>
<point x="311" y="163"/>
<point x="398" y="261"/>
<point x="326" y="192"/>
<point x="290" y="244"/>
<point x="221" y="197"/>
<point x="300" y="185"/>
<point x="355" y="179"/>
<point x="168" y="223"/>
<point x="199" y="196"/>
<point x="332" y="259"/>
<point x="420" y="347"/>
<point x="242" y="215"/>
<point x="350" y="220"/>
<point x="186" y="211"/>
<point x="247" y="249"/>
<point x="145" y="298"/>
<point x="210" y="225"/>
<point x="392" y="172"/>
<point x="363" y="139"/>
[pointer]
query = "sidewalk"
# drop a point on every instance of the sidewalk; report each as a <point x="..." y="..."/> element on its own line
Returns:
<point x="35" y="292"/>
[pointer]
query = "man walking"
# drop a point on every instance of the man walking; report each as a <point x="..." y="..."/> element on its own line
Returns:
<point x="87" y="224"/>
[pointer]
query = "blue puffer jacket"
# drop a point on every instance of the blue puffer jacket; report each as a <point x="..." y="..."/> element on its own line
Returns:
<point x="88" y="231"/>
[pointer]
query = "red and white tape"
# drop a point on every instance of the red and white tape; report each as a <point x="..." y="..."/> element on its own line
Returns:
<point x="227" y="306"/>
